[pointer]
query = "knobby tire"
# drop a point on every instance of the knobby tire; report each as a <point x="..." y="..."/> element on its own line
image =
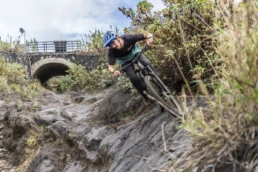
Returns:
<point x="155" y="90"/>
<point x="174" y="104"/>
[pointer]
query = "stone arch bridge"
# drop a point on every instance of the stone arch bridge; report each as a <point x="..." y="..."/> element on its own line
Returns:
<point x="44" y="66"/>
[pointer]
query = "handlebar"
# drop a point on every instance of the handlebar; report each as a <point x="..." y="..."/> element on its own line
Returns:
<point x="145" y="47"/>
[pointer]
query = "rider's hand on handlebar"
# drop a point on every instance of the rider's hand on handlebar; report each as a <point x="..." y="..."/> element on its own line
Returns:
<point x="117" y="73"/>
<point x="149" y="41"/>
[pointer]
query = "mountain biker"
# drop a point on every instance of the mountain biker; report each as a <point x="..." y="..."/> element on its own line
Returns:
<point x="123" y="49"/>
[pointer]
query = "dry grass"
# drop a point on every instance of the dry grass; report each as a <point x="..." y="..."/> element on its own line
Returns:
<point x="226" y="132"/>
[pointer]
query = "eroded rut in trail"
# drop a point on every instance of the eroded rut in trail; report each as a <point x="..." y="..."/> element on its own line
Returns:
<point x="111" y="131"/>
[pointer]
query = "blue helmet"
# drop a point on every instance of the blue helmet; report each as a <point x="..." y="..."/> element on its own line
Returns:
<point x="108" y="38"/>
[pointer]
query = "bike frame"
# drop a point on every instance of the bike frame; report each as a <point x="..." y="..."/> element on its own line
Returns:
<point x="142" y="68"/>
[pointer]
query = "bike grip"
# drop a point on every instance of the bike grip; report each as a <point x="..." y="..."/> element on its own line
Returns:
<point x="145" y="47"/>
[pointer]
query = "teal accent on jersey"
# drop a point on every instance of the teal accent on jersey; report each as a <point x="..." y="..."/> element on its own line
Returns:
<point x="130" y="56"/>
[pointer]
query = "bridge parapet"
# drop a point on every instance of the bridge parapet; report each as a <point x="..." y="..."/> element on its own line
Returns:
<point x="60" y="46"/>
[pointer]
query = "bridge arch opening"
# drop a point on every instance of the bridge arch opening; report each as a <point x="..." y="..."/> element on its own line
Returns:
<point x="50" y="67"/>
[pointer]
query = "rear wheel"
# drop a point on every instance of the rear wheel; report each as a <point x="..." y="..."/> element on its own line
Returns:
<point x="155" y="89"/>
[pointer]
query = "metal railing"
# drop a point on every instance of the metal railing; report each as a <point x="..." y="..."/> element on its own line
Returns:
<point x="53" y="46"/>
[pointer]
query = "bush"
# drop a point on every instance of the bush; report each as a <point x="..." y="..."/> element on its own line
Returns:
<point x="93" y="80"/>
<point x="182" y="39"/>
<point x="225" y="133"/>
<point x="125" y="84"/>
<point x="4" y="46"/>
<point x="14" y="80"/>
<point x="78" y="79"/>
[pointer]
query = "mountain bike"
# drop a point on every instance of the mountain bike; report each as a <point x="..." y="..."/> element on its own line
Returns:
<point x="155" y="89"/>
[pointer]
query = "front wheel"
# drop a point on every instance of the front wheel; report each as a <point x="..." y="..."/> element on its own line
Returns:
<point x="153" y="88"/>
<point x="156" y="90"/>
<point x="173" y="103"/>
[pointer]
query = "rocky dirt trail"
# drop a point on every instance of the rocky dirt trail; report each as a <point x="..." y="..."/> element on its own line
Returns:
<point x="111" y="131"/>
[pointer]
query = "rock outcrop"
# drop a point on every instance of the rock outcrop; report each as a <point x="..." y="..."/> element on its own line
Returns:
<point x="111" y="131"/>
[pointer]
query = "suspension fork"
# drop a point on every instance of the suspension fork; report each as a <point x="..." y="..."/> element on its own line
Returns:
<point x="158" y="79"/>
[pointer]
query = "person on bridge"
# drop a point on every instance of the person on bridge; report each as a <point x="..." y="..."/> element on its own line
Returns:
<point x="123" y="49"/>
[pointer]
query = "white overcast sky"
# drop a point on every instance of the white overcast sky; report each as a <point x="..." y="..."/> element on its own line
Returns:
<point x="48" y="20"/>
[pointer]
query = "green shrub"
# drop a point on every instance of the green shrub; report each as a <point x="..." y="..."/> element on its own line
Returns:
<point x="78" y="79"/>
<point x="54" y="84"/>
<point x="125" y="84"/>
<point x="4" y="87"/>
<point x="14" y="80"/>
<point x="93" y="80"/>
<point x="182" y="39"/>
<point x="4" y="46"/>
<point x="66" y="82"/>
